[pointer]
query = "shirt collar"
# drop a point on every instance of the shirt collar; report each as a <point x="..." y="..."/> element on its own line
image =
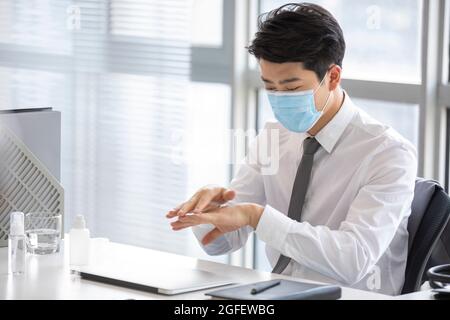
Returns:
<point x="330" y="134"/>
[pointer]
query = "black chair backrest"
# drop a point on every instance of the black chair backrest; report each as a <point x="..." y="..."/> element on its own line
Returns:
<point x="430" y="213"/>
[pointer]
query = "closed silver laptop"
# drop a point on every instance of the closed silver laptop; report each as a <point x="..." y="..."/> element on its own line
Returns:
<point x="167" y="280"/>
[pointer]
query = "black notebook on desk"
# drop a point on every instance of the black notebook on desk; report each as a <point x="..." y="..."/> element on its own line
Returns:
<point x="285" y="290"/>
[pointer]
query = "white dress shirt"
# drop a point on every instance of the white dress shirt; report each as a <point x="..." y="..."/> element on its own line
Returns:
<point x="353" y="229"/>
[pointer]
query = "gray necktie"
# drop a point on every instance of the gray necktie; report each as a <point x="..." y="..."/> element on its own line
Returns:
<point x="310" y="147"/>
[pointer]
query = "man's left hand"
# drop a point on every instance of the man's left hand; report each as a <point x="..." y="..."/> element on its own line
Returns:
<point x="225" y="219"/>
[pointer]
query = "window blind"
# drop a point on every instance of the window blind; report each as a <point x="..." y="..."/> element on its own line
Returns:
<point x="119" y="72"/>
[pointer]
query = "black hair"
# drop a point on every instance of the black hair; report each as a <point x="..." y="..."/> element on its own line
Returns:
<point x="300" y="32"/>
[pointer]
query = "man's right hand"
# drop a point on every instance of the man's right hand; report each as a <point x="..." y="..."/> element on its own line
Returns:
<point x="205" y="199"/>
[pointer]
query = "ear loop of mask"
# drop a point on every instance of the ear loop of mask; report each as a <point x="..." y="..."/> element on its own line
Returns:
<point x="329" y="93"/>
<point x="326" y="103"/>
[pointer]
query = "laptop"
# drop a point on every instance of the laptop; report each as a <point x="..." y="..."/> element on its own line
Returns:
<point x="162" y="280"/>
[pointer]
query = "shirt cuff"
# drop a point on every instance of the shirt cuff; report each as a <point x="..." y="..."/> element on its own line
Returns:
<point x="273" y="227"/>
<point x="217" y="247"/>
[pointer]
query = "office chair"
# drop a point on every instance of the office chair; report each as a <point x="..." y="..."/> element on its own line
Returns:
<point x="429" y="230"/>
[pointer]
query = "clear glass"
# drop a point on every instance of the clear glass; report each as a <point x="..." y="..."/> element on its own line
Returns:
<point x="383" y="37"/>
<point x="43" y="232"/>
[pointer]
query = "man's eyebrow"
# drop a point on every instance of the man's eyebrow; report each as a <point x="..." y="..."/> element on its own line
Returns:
<point x="266" y="81"/>
<point x="289" y="80"/>
<point x="283" y="81"/>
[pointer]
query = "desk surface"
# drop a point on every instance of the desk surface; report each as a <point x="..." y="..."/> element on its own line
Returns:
<point x="49" y="277"/>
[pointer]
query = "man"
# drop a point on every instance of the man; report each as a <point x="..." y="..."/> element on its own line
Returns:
<point x="337" y="208"/>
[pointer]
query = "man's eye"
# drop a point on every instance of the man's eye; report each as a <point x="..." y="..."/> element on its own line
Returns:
<point x="293" y="89"/>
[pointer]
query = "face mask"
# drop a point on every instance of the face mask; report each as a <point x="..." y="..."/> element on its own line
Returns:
<point x="296" y="111"/>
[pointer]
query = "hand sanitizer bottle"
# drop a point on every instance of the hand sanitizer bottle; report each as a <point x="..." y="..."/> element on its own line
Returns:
<point x="79" y="242"/>
<point x="17" y="248"/>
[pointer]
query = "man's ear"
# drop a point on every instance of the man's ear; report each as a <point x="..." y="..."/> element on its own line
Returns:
<point x="335" y="77"/>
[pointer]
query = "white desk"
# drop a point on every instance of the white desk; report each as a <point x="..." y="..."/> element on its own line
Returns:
<point x="49" y="277"/>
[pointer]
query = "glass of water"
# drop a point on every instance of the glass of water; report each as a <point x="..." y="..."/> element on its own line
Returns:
<point x="43" y="232"/>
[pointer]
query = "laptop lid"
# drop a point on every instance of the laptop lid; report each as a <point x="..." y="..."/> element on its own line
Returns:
<point x="167" y="280"/>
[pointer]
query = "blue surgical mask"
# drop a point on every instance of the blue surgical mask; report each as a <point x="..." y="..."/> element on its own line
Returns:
<point x="296" y="111"/>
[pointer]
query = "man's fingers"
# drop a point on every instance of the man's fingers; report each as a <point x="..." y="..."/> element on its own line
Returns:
<point x="212" y="206"/>
<point x="191" y="220"/>
<point x="189" y="205"/>
<point x="177" y="225"/>
<point x="205" y="200"/>
<point x="214" y="198"/>
<point x="228" y="195"/>
<point x="173" y="212"/>
<point x="211" y="236"/>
